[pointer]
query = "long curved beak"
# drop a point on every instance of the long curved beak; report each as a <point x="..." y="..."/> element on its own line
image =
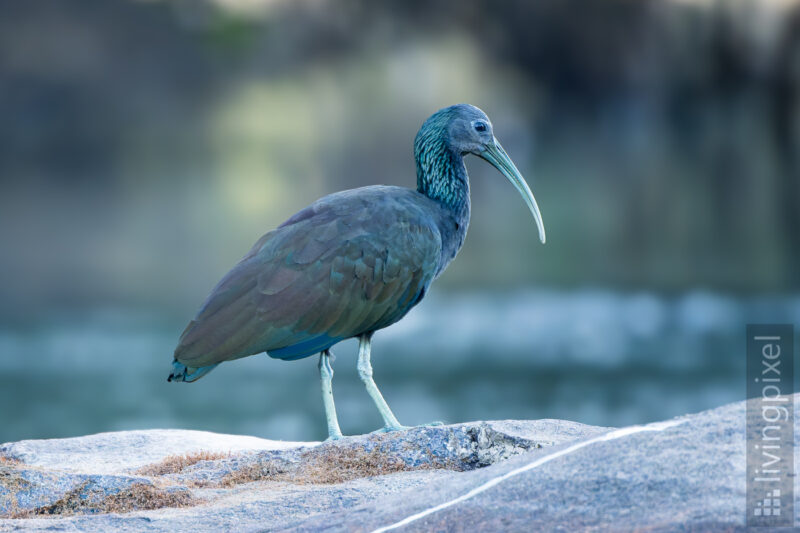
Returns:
<point x="494" y="154"/>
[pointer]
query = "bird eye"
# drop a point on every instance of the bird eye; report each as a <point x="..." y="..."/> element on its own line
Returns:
<point x="480" y="126"/>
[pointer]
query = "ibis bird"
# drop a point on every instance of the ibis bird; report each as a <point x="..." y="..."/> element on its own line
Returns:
<point x="349" y="264"/>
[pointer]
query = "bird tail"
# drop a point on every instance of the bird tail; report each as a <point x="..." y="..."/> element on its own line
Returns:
<point x="181" y="372"/>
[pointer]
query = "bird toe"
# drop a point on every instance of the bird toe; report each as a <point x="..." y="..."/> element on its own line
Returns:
<point x="389" y="429"/>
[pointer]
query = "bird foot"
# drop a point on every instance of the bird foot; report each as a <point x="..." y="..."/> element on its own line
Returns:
<point x="332" y="438"/>
<point x="389" y="429"/>
<point x="431" y="424"/>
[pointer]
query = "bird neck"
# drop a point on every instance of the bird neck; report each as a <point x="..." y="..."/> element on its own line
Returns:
<point x="441" y="174"/>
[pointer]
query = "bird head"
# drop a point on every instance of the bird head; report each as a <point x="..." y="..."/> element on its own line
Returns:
<point x="469" y="131"/>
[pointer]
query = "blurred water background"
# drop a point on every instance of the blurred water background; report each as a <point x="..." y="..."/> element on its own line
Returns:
<point x="145" y="145"/>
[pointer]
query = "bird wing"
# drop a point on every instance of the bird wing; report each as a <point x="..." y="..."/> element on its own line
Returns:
<point x="351" y="263"/>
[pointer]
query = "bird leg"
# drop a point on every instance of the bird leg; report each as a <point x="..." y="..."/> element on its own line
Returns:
<point x="365" y="373"/>
<point x="326" y="376"/>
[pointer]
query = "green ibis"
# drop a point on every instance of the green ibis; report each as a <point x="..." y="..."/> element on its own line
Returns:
<point x="349" y="264"/>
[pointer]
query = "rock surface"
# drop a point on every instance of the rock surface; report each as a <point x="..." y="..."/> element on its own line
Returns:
<point x="510" y="475"/>
<point x="108" y="453"/>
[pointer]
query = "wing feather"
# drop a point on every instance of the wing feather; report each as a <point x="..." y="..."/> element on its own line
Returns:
<point x="348" y="264"/>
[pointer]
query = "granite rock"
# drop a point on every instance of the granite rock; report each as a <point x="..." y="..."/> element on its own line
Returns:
<point x="684" y="474"/>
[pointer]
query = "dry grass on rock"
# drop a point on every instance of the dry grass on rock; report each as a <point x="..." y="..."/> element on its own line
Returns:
<point x="327" y="464"/>
<point x="335" y="464"/>
<point x="174" y="464"/>
<point x="137" y="497"/>
<point x="9" y="461"/>
<point x="258" y="471"/>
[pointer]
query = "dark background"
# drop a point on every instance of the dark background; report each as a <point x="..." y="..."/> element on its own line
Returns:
<point x="145" y="145"/>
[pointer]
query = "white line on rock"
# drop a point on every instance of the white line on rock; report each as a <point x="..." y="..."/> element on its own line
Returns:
<point x="611" y="435"/>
